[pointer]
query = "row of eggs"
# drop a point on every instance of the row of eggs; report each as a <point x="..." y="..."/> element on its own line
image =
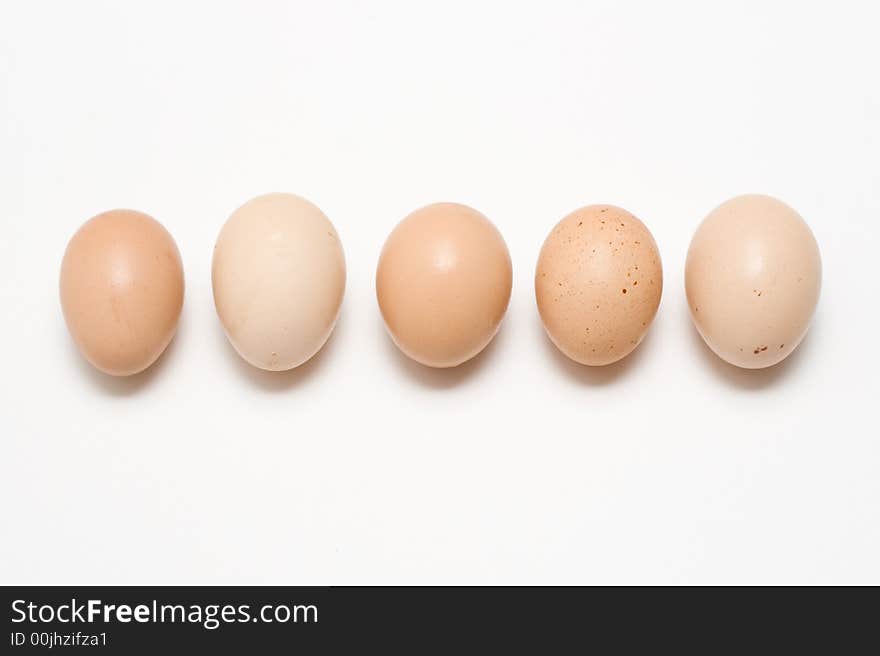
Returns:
<point x="443" y="283"/>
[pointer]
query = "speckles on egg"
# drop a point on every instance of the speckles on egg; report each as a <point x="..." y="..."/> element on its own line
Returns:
<point x="603" y="312"/>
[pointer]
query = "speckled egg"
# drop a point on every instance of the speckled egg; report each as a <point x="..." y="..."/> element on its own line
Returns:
<point x="598" y="284"/>
<point x="752" y="276"/>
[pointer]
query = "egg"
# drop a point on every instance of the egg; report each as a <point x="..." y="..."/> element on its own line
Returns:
<point x="278" y="275"/>
<point x="122" y="290"/>
<point x="598" y="284"/>
<point x="443" y="284"/>
<point x="752" y="277"/>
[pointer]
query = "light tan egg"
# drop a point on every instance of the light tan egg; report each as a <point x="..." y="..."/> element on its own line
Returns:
<point x="278" y="275"/>
<point x="443" y="284"/>
<point x="122" y="290"/>
<point x="598" y="284"/>
<point x="752" y="277"/>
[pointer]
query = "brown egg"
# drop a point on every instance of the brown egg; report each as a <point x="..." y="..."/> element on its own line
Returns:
<point x="122" y="290"/>
<point x="598" y="284"/>
<point x="443" y="284"/>
<point x="752" y="277"/>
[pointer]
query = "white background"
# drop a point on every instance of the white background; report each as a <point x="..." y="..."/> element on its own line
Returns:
<point x="361" y="467"/>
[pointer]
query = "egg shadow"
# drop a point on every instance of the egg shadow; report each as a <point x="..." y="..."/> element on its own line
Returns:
<point x="441" y="378"/>
<point x="749" y="379"/>
<point x="595" y="376"/>
<point x="121" y="386"/>
<point x="281" y="381"/>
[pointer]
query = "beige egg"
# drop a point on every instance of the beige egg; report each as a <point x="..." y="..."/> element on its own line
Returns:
<point x="598" y="284"/>
<point x="443" y="284"/>
<point x="752" y="277"/>
<point x="122" y="290"/>
<point x="279" y="277"/>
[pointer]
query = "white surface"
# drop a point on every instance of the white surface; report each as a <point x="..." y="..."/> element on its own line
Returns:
<point x="361" y="467"/>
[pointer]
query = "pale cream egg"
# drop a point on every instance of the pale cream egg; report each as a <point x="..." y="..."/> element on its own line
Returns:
<point x="279" y="277"/>
<point x="752" y="276"/>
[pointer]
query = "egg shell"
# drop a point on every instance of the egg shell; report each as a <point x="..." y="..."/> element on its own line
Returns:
<point x="752" y="277"/>
<point x="598" y="284"/>
<point x="122" y="290"/>
<point x="443" y="284"/>
<point x="278" y="275"/>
